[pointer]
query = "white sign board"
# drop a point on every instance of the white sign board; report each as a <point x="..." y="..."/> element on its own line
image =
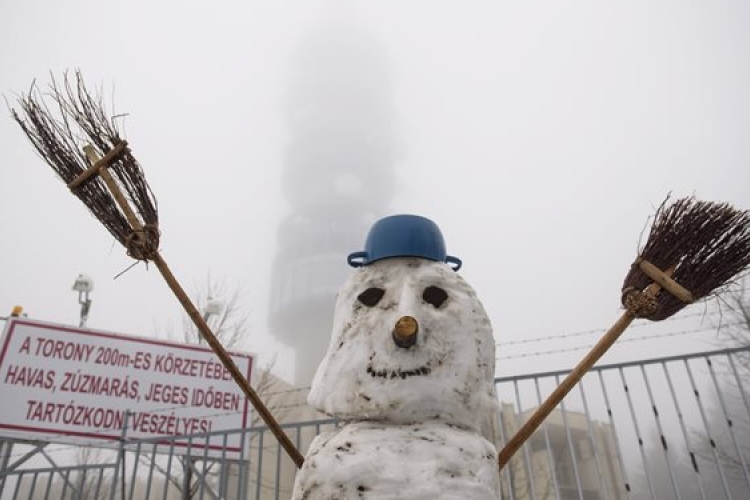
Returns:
<point x="65" y="384"/>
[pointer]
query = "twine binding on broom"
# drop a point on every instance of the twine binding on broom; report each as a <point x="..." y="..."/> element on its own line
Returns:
<point x="644" y="304"/>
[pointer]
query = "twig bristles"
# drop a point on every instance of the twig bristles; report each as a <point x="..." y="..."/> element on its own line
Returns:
<point x="79" y="118"/>
<point x="706" y="244"/>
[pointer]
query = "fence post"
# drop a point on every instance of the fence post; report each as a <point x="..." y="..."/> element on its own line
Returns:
<point x="187" y="467"/>
<point x="6" y="448"/>
<point x="243" y="466"/>
<point x="120" y="462"/>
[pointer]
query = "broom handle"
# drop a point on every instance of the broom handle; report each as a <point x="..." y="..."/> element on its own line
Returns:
<point x="662" y="279"/>
<point x="228" y="362"/>
<point x="203" y="327"/>
<point x="564" y="388"/>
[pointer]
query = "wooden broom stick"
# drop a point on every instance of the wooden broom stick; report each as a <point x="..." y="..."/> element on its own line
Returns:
<point x="564" y="388"/>
<point x="661" y="280"/>
<point x="99" y="166"/>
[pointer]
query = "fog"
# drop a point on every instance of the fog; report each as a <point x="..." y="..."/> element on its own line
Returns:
<point x="540" y="138"/>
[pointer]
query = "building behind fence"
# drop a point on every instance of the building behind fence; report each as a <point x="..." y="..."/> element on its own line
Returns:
<point x="676" y="427"/>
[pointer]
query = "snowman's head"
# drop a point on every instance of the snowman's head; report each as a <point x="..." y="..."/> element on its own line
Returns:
<point x="411" y="342"/>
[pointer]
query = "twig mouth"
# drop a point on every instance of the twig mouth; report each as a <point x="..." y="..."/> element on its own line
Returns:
<point x="398" y="373"/>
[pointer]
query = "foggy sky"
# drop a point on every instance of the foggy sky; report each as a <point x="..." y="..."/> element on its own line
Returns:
<point x="538" y="137"/>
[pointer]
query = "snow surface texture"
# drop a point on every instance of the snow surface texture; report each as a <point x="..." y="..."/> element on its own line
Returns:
<point x="412" y="415"/>
<point x="377" y="461"/>
<point x="447" y="375"/>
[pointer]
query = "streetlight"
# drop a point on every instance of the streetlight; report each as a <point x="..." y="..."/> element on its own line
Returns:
<point x="83" y="285"/>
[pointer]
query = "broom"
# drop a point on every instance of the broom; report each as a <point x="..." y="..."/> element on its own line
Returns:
<point x="108" y="179"/>
<point x="694" y="247"/>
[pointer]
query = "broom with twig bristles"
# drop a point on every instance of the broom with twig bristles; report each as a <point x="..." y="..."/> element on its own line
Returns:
<point x="694" y="248"/>
<point x="84" y="148"/>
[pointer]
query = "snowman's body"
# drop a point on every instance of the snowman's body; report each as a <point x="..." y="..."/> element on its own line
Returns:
<point x="377" y="461"/>
<point x="411" y="404"/>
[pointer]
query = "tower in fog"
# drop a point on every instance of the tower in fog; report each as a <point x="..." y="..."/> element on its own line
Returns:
<point x="338" y="177"/>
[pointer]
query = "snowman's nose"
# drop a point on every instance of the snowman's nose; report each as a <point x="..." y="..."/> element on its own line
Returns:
<point x="405" y="332"/>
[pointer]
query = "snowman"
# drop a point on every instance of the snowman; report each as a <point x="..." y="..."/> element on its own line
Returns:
<point x="409" y="374"/>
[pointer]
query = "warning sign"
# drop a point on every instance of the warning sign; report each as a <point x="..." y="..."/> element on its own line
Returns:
<point x="58" y="383"/>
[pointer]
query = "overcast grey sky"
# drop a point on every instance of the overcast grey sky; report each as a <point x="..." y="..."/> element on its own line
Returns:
<point x="539" y="136"/>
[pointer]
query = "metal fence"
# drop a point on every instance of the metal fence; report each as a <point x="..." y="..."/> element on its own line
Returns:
<point x="668" y="428"/>
<point x="199" y="466"/>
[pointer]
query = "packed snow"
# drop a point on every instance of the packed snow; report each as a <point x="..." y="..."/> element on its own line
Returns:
<point x="411" y="416"/>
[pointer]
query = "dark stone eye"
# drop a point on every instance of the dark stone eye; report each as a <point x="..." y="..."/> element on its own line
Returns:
<point x="371" y="296"/>
<point x="434" y="295"/>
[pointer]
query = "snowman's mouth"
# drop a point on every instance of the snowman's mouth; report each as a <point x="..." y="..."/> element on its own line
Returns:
<point x="398" y="372"/>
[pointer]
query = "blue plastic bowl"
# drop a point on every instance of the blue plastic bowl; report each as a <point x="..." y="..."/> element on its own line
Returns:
<point x="403" y="236"/>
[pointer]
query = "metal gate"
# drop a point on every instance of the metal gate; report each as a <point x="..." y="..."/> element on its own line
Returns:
<point x="667" y="428"/>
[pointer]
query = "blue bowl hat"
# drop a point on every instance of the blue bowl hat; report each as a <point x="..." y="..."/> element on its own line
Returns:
<point x="403" y="236"/>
